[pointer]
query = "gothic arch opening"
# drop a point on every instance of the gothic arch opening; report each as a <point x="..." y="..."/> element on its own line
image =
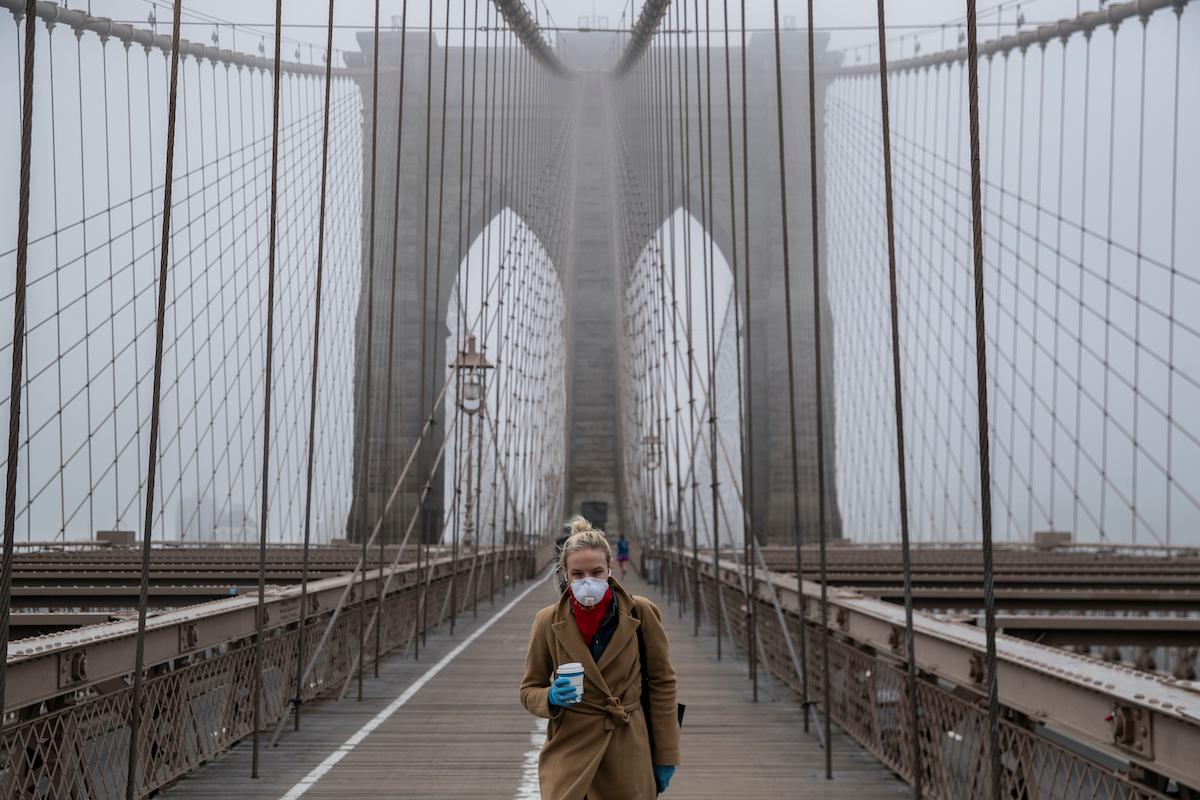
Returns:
<point x="682" y="325"/>
<point x="506" y="315"/>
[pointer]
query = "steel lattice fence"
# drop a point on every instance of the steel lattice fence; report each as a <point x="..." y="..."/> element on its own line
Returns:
<point x="198" y="706"/>
<point x="868" y="698"/>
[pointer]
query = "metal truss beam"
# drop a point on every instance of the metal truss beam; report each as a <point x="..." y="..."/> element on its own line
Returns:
<point x="44" y="667"/>
<point x="1075" y="696"/>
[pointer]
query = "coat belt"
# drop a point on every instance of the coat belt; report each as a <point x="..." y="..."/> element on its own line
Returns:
<point x="617" y="713"/>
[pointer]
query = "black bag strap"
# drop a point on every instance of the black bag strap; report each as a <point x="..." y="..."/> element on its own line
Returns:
<point x="645" y="674"/>
<point x="679" y="707"/>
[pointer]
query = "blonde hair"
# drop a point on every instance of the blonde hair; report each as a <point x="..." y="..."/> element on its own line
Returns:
<point x="582" y="537"/>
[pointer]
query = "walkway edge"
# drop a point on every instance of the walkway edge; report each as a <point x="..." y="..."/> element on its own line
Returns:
<point x="319" y="771"/>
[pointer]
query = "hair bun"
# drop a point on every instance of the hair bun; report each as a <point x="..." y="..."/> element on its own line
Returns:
<point x="579" y="525"/>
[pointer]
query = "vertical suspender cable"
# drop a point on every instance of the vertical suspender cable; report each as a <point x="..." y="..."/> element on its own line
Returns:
<point x="424" y="319"/>
<point x="1137" y="350"/>
<point x="270" y="346"/>
<point x="391" y="345"/>
<point x="750" y="539"/>
<point x="87" y="350"/>
<point x="515" y="252"/>
<point x="312" y="408"/>
<point x="18" y="347"/>
<point x="734" y="300"/>
<point x="787" y="299"/>
<point x="503" y="355"/>
<point x="666" y="210"/>
<point x="905" y="556"/>
<point x="59" y="477"/>
<point x="711" y="330"/>
<point x="530" y="202"/>
<point x="462" y="277"/>
<point x="686" y="152"/>
<point x="490" y="231"/>
<point x="985" y="477"/>
<point x="796" y="543"/>
<point x="672" y="71"/>
<point x="435" y="380"/>
<point x="485" y="220"/>
<point x="365" y="459"/>
<point x="817" y="366"/>
<point x="1174" y="271"/>
<point x="135" y="711"/>
<point x="483" y="289"/>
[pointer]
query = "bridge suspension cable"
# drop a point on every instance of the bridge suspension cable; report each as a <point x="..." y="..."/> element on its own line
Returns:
<point x="405" y="401"/>
<point x="897" y="391"/>
<point x="661" y="107"/>
<point x="223" y="194"/>
<point x="18" y="353"/>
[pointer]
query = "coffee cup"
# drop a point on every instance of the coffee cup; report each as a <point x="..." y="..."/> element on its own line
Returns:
<point x="574" y="672"/>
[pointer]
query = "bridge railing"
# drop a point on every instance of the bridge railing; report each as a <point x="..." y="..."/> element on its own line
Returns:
<point x="1072" y="727"/>
<point x="69" y="695"/>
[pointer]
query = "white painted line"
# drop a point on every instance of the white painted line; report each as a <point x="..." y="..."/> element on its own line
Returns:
<point x="530" y="788"/>
<point x="318" y="772"/>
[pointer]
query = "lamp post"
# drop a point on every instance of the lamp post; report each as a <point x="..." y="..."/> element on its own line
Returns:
<point x="551" y="479"/>
<point x="653" y="451"/>
<point x="653" y="448"/>
<point x="471" y="367"/>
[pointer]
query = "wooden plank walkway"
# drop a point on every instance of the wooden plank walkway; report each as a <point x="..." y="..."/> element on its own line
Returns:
<point x="463" y="734"/>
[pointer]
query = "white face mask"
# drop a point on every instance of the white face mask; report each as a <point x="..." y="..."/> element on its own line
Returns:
<point x="589" y="591"/>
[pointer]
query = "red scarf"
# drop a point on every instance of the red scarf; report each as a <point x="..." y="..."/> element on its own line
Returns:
<point x="589" y="619"/>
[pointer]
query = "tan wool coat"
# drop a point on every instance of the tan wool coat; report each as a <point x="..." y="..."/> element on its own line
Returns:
<point x="599" y="748"/>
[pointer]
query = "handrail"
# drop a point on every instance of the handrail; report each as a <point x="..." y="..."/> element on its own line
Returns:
<point x="43" y="667"/>
<point x="1078" y="696"/>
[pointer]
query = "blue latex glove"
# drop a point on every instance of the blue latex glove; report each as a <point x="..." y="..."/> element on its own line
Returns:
<point x="562" y="692"/>
<point x="662" y="776"/>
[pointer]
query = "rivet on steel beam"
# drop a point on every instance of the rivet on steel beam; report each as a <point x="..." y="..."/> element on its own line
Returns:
<point x="79" y="666"/>
<point x="191" y="636"/>
<point x="978" y="672"/>
<point x="895" y="639"/>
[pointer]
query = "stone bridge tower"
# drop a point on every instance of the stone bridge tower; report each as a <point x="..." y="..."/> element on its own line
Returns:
<point x="587" y="260"/>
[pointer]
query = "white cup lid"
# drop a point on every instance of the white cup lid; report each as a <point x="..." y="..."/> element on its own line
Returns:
<point x="573" y="666"/>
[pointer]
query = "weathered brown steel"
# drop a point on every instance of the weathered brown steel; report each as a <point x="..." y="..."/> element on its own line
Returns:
<point x="966" y="554"/>
<point x="1046" y="598"/>
<point x="34" y="664"/>
<point x="1085" y="704"/>
<point x="1074" y="630"/>
<point x="72" y="701"/>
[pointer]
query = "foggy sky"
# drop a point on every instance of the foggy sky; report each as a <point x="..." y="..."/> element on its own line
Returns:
<point x="845" y="18"/>
<point x="254" y="17"/>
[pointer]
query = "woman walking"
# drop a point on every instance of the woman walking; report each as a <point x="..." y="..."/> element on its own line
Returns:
<point x="620" y="740"/>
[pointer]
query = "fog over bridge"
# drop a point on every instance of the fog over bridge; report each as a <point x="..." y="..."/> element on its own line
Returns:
<point x="880" y="355"/>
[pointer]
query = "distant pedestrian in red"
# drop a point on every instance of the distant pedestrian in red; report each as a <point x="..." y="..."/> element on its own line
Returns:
<point x="622" y="554"/>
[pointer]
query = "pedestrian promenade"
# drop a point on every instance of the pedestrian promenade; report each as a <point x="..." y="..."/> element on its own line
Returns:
<point x="450" y="726"/>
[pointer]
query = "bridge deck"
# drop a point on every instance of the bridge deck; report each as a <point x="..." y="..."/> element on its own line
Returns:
<point x="462" y="733"/>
